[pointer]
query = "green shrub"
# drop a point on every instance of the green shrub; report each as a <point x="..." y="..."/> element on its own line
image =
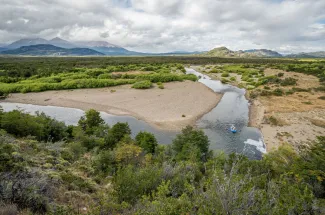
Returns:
<point x="321" y="97"/>
<point x="224" y="80"/>
<point x="146" y="141"/>
<point x="225" y="74"/>
<point x="280" y="74"/>
<point x="142" y="85"/>
<point x="278" y="92"/>
<point x="267" y="88"/>
<point x="288" y="82"/>
<point x="233" y="79"/>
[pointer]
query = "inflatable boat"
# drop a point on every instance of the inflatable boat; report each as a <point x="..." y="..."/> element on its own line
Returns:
<point x="233" y="129"/>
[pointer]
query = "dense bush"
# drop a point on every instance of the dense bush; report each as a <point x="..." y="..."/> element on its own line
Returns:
<point x="121" y="175"/>
<point x="142" y="85"/>
<point x="146" y="141"/>
<point x="41" y="126"/>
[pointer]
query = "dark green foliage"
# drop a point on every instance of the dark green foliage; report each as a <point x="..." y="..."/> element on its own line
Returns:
<point x="311" y="166"/>
<point x="40" y="126"/>
<point x="90" y="120"/>
<point x="147" y="141"/>
<point x="131" y="183"/>
<point x="191" y="144"/>
<point x="116" y="133"/>
<point x="322" y="97"/>
<point x="278" y="92"/>
<point x="142" y="85"/>
<point x="104" y="162"/>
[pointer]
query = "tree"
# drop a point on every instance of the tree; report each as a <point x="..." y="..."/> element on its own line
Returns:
<point x="147" y="141"/>
<point x="191" y="140"/>
<point x="90" y="120"/>
<point x="116" y="134"/>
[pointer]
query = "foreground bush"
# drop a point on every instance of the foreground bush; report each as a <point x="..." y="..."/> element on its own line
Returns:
<point x="142" y="85"/>
<point x="106" y="171"/>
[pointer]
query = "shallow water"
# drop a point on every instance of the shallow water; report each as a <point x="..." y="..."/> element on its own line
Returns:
<point x="71" y="116"/>
<point x="233" y="108"/>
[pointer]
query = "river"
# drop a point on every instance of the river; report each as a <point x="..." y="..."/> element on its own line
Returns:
<point x="233" y="108"/>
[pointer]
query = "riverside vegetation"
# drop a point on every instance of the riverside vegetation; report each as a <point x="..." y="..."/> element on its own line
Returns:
<point x="15" y="80"/>
<point x="49" y="168"/>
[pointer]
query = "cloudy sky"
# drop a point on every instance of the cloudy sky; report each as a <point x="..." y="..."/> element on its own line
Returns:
<point x="168" y="25"/>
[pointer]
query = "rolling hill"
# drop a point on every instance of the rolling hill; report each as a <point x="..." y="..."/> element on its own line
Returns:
<point x="320" y="54"/>
<point x="225" y="52"/>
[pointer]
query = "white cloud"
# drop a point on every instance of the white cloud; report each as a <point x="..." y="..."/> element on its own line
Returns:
<point x="166" y="25"/>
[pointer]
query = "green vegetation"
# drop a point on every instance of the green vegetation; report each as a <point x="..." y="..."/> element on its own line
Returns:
<point x="142" y="85"/>
<point x="60" y="75"/>
<point x="49" y="168"/>
<point x="160" y="85"/>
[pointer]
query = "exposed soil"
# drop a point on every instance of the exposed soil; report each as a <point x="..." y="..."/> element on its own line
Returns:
<point x="172" y="108"/>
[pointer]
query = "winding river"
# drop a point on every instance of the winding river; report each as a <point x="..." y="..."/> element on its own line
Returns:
<point x="233" y="108"/>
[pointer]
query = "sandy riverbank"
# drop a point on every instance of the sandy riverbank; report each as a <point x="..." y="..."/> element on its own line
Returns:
<point x="296" y="129"/>
<point x="300" y="116"/>
<point x="172" y="108"/>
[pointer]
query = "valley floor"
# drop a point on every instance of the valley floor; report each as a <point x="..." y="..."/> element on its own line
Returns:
<point x="172" y="108"/>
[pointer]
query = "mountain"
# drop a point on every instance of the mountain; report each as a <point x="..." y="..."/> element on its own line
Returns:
<point x="93" y="44"/>
<point x="2" y="49"/>
<point x="263" y="52"/>
<point x="26" y="42"/>
<point x="225" y="52"/>
<point x="46" y="49"/>
<point x="57" y="41"/>
<point x="106" y="48"/>
<point x="320" y="54"/>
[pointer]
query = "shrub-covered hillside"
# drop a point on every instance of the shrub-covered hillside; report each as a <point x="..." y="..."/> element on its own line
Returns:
<point x="49" y="168"/>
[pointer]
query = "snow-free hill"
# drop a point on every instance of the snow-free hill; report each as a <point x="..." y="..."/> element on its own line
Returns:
<point x="225" y="52"/>
<point x="320" y="54"/>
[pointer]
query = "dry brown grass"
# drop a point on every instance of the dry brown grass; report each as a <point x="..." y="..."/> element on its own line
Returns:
<point x="304" y="81"/>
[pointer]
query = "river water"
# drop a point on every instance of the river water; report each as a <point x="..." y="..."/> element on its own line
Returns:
<point x="233" y="108"/>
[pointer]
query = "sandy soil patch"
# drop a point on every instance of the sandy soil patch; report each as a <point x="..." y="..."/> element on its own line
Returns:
<point x="178" y="105"/>
<point x="302" y="127"/>
<point x="302" y="113"/>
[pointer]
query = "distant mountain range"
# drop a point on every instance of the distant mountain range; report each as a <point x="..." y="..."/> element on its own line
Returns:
<point x="46" y="49"/>
<point x="60" y="47"/>
<point x="258" y="53"/>
<point x="308" y="55"/>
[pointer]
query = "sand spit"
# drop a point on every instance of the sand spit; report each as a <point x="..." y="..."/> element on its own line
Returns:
<point x="172" y="108"/>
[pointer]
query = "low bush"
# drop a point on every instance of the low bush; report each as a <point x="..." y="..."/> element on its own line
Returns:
<point x="288" y="82"/>
<point x="233" y="79"/>
<point x="142" y="85"/>
<point x="278" y="92"/>
<point x="225" y="74"/>
<point x="321" y="97"/>
<point x="280" y="74"/>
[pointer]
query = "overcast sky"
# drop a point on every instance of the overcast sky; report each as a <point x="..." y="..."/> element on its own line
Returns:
<point x="168" y="25"/>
